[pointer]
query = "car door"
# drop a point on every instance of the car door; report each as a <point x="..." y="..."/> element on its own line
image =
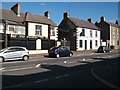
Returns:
<point x="18" y="53"/>
<point x="66" y="51"/>
<point x="61" y="51"/>
<point x="9" y="53"/>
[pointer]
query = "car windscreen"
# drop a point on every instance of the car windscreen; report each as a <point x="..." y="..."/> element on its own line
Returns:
<point x="2" y="50"/>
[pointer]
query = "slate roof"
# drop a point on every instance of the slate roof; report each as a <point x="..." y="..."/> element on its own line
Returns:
<point x="83" y="24"/>
<point x="38" y="19"/>
<point x="113" y="24"/>
<point x="10" y="16"/>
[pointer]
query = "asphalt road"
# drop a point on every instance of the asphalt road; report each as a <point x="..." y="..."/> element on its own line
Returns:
<point x="66" y="72"/>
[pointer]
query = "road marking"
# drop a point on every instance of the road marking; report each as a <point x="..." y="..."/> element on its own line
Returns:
<point x="62" y="76"/>
<point x="17" y="69"/>
<point x="2" y="69"/>
<point x="41" y="81"/>
<point x="104" y="81"/>
<point x="38" y="65"/>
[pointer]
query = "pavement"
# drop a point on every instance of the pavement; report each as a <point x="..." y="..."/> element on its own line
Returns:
<point x="108" y="74"/>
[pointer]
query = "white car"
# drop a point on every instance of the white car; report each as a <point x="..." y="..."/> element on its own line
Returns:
<point x="14" y="53"/>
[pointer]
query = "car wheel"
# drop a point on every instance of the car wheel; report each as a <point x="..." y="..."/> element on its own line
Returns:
<point x="1" y="59"/>
<point x="57" y="55"/>
<point x="71" y="54"/>
<point x="25" y="58"/>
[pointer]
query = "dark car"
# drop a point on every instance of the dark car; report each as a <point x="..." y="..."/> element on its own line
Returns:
<point x="103" y="49"/>
<point x="59" y="51"/>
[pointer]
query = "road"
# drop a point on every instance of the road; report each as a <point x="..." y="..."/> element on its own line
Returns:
<point x="65" y="72"/>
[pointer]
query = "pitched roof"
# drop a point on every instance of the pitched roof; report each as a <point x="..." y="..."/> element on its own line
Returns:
<point x="113" y="24"/>
<point x="9" y="15"/>
<point x="83" y="24"/>
<point x="38" y="19"/>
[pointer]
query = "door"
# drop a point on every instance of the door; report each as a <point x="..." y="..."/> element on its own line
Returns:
<point x="85" y="44"/>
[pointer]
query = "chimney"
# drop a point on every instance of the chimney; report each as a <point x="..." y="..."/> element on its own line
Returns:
<point x="90" y="20"/>
<point x="97" y="23"/>
<point x="16" y="9"/>
<point x="66" y="15"/>
<point x="47" y="14"/>
<point x="102" y="18"/>
<point x="116" y="22"/>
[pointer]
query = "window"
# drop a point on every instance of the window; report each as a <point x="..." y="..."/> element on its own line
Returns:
<point x="38" y="30"/>
<point x="52" y="32"/>
<point x="82" y="33"/>
<point x="96" y="43"/>
<point x="11" y="29"/>
<point x="96" y="33"/>
<point x="90" y="33"/>
<point x="80" y="43"/>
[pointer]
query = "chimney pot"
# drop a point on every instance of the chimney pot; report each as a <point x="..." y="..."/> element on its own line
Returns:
<point x="90" y="20"/>
<point x="116" y="22"/>
<point x="47" y="14"/>
<point x="102" y="18"/>
<point x="66" y="15"/>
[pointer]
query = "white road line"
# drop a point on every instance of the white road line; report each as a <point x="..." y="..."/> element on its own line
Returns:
<point x="62" y="76"/>
<point x="2" y="69"/>
<point x="38" y="65"/>
<point x="17" y="69"/>
<point x="41" y="81"/>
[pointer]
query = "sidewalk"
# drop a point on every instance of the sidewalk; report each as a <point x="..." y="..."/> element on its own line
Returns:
<point x="75" y="53"/>
<point x="108" y="75"/>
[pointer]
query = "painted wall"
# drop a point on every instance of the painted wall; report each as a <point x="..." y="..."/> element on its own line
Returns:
<point x="88" y="38"/>
<point x="32" y="29"/>
<point x="56" y="34"/>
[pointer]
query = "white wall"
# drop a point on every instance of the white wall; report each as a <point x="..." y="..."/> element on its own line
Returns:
<point x="56" y="35"/>
<point x="88" y="38"/>
<point x="32" y="29"/>
<point x="19" y="30"/>
<point x="1" y="28"/>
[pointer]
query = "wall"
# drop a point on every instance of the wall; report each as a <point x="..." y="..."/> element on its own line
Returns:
<point x="114" y="37"/>
<point x="32" y="28"/>
<point x="56" y="35"/>
<point x="88" y="38"/>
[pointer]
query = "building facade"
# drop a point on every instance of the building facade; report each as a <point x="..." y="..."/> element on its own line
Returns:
<point x="78" y="34"/>
<point x="110" y="33"/>
<point x="15" y="24"/>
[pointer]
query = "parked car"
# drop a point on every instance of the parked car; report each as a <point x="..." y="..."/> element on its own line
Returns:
<point x="14" y="53"/>
<point x="103" y="49"/>
<point x="59" y="51"/>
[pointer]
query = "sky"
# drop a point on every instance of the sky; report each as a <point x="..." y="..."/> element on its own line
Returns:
<point x="81" y="10"/>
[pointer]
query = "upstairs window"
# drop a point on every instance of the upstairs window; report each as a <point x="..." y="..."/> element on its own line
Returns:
<point x="38" y="30"/>
<point x="12" y="29"/>
<point x="52" y="32"/>
<point x="82" y="33"/>
<point x="96" y="33"/>
<point x="90" y="33"/>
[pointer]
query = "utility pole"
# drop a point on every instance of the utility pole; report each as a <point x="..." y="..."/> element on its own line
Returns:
<point x="5" y="34"/>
